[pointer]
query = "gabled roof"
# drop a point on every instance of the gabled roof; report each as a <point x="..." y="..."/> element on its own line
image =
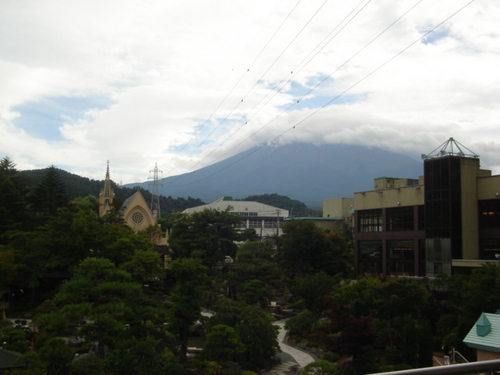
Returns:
<point x="485" y="334"/>
<point x="7" y="359"/>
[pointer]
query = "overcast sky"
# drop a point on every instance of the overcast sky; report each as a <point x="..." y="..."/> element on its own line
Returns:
<point x="185" y="83"/>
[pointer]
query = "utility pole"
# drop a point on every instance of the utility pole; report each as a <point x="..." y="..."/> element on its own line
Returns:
<point x="155" y="197"/>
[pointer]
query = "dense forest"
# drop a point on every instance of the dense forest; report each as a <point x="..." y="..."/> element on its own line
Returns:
<point x="77" y="186"/>
<point x="83" y="294"/>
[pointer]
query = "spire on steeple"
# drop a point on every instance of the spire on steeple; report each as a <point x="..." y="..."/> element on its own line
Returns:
<point x="106" y="196"/>
<point x="107" y="191"/>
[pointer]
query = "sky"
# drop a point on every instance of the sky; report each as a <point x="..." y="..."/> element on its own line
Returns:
<point x="184" y="84"/>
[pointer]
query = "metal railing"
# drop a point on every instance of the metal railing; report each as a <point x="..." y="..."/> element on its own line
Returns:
<point x="457" y="369"/>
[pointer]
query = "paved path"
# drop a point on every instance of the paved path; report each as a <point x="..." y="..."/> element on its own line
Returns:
<point x="291" y="358"/>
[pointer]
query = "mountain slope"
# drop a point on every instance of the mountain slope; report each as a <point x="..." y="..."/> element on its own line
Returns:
<point x="304" y="172"/>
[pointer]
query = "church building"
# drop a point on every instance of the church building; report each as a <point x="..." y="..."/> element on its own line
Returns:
<point x="134" y="210"/>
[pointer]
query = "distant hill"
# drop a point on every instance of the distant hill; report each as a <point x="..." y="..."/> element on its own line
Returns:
<point x="77" y="186"/>
<point x="303" y="172"/>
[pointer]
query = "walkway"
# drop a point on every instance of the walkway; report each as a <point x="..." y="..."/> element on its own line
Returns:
<point x="291" y="359"/>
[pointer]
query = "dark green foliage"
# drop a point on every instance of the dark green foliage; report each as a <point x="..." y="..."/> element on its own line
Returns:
<point x="255" y="292"/>
<point x="254" y="328"/>
<point x="78" y="186"/>
<point x="207" y="235"/>
<point x="14" y="339"/>
<point x="100" y="300"/>
<point x="222" y="345"/>
<point x="320" y="367"/>
<point x="50" y="194"/>
<point x="306" y="249"/>
<point x="13" y="207"/>
<point x="89" y="364"/>
<point x="144" y="356"/>
<point x="301" y="323"/>
<point x="190" y="276"/>
<point x="57" y="356"/>
<point x="312" y="289"/>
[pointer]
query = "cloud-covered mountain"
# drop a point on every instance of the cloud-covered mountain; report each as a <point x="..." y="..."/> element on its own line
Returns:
<point x="304" y="172"/>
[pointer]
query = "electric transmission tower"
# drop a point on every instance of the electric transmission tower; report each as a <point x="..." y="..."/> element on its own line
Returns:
<point x="155" y="198"/>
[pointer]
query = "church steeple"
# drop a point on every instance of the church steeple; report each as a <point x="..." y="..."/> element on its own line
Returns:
<point x="106" y="196"/>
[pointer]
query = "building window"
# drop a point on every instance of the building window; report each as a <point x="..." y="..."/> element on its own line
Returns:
<point x="400" y="219"/>
<point x="370" y="221"/>
<point x="370" y="249"/>
<point x="255" y="223"/>
<point x="137" y="217"/>
<point x="403" y="250"/>
<point x="490" y="248"/>
<point x="489" y="213"/>
<point x="270" y="223"/>
<point x="421" y="217"/>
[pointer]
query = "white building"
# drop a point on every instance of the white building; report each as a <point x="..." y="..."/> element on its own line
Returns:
<point x="266" y="220"/>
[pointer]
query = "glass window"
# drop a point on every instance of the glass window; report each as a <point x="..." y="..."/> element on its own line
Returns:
<point x="370" y="221"/>
<point x="489" y="213"/>
<point x="255" y="223"/>
<point x="403" y="250"/>
<point x="370" y="249"/>
<point x="400" y="219"/>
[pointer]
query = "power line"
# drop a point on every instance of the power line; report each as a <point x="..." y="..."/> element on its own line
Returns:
<point x="337" y="96"/>
<point x="296" y="69"/>
<point x="239" y="80"/>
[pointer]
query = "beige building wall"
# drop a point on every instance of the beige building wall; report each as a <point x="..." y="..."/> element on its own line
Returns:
<point x="470" y="228"/>
<point x="338" y="207"/>
<point x="393" y="197"/>
<point x="488" y="187"/>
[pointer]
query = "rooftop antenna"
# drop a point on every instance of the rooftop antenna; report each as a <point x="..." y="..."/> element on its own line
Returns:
<point x="450" y="148"/>
<point x="155" y="197"/>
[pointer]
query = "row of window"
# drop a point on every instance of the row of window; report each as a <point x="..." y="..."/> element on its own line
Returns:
<point x="252" y="223"/>
<point x="244" y="213"/>
<point x="403" y="218"/>
<point x="396" y="219"/>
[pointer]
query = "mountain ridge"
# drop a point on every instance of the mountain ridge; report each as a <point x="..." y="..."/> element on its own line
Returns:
<point x="305" y="172"/>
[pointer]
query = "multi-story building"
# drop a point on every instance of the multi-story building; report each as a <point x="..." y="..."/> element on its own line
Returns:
<point x="265" y="219"/>
<point x="447" y="221"/>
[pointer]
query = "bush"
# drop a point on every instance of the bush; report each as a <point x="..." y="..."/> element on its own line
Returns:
<point x="300" y="323"/>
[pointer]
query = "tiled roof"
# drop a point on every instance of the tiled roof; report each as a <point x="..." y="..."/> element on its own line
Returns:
<point x="481" y="337"/>
<point x="7" y="358"/>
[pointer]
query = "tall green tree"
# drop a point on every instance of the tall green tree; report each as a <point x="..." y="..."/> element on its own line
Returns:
<point x="13" y="205"/>
<point x="50" y="194"/>
<point x="100" y="300"/>
<point x="306" y="249"/>
<point x="190" y="276"/>
<point x="208" y="235"/>
<point x="255" y="330"/>
<point x="222" y="345"/>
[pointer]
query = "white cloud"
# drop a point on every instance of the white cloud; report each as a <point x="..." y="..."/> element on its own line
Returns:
<point x="174" y="72"/>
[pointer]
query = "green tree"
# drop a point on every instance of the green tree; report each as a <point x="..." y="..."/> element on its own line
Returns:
<point x="320" y="367"/>
<point x="100" y="300"/>
<point x="190" y="275"/>
<point x="208" y="235"/>
<point x="255" y="292"/>
<point x="13" y="205"/>
<point x="57" y="356"/>
<point x="313" y="289"/>
<point x="50" y="194"/>
<point x="254" y="328"/>
<point x="306" y="249"/>
<point x="223" y="344"/>
<point x="8" y="267"/>
<point x="140" y="356"/>
<point x="145" y="266"/>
